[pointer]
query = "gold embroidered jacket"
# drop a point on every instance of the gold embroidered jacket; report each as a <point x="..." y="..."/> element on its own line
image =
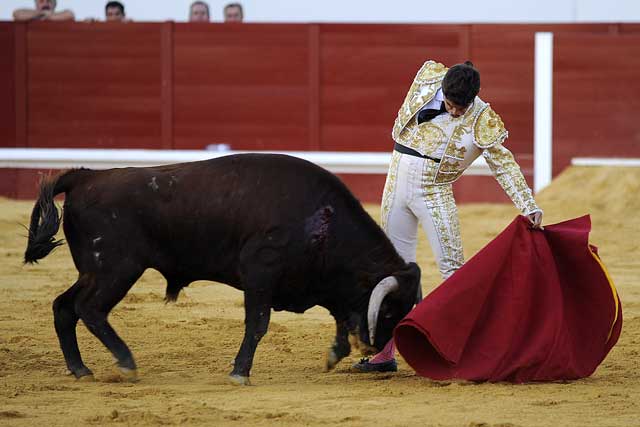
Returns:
<point x="459" y="141"/>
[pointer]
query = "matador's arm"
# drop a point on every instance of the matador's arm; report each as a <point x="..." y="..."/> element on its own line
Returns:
<point x="489" y="135"/>
<point x="507" y="172"/>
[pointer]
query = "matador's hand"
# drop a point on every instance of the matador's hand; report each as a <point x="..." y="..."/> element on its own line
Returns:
<point x="536" y="220"/>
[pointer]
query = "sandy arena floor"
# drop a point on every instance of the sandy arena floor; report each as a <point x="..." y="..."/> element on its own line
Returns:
<point x="184" y="351"/>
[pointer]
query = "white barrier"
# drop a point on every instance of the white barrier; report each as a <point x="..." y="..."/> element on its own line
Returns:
<point x="606" y="161"/>
<point x="543" y="111"/>
<point x="62" y="158"/>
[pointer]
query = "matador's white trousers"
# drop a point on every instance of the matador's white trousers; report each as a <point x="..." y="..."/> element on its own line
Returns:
<point x="409" y="199"/>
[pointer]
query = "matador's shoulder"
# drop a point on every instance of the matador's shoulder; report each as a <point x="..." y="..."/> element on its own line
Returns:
<point x="488" y="129"/>
<point x="431" y="72"/>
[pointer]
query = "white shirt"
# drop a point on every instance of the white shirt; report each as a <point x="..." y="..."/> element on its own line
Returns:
<point x="435" y="103"/>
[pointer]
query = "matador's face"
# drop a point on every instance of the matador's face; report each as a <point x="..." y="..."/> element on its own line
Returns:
<point x="454" y="109"/>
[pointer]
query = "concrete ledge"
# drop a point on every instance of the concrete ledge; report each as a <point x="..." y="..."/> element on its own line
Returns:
<point x="605" y="161"/>
<point x="64" y="158"/>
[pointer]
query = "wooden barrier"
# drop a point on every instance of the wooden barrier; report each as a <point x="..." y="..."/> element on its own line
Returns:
<point x="315" y="87"/>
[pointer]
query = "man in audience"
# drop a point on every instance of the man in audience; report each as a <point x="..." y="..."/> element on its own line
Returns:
<point x="199" y="12"/>
<point x="114" y="12"/>
<point x="44" y="11"/>
<point x="233" y="12"/>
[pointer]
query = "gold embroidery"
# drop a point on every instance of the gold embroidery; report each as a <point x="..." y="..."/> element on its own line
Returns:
<point x="447" y="177"/>
<point x="442" y="207"/>
<point x="448" y="166"/>
<point x="418" y="96"/>
<point x="389" y="188"/>
<point x="405" y="136"/>
<point x="431" y="71"/>
<point x="454" y="151"/>
<point x="423" y="89"/>
<point x="429" y="172"/>
<point x="455" y="147"/>
<point x="427" y="138"/>
<point x="509" y="176"/>
<point x="458" y="133"/>
<point x="489" y="129"/>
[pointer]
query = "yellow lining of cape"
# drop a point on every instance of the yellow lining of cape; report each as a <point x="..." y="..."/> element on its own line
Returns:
<point x="613" y="289"/>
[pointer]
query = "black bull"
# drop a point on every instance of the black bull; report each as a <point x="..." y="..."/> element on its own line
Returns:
<point x="285" y="231"/>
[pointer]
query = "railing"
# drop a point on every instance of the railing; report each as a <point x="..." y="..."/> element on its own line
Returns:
<point x="54" y="158"/>
<point x="606" y="161"/>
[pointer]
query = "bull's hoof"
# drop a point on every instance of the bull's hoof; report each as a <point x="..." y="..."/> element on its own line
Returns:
<point x="239" y="379"/>
<point x="82" y="374"/>
<point x="121" y="375"/>
<point x="88" y="378"/>
<point x="128" y="374"/>
<point x="331" y="360"/>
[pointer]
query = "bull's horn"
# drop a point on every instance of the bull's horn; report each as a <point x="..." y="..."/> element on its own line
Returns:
<point x="386" y="285"/>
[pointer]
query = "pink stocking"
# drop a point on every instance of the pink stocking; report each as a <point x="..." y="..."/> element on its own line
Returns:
<point x="387" y="353"/>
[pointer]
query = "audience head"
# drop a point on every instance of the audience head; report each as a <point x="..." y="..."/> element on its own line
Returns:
<point x="42" y="5"/>
<point x="233" y="12"/>
<point x="114" y="11"/>
<point x="199" y="12"/>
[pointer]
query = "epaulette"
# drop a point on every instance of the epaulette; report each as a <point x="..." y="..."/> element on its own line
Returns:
<point x="488" y="129"/>
<point x="431" y="72"/>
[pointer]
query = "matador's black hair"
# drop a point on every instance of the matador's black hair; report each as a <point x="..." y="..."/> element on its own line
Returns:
<point x="461" y="84"/>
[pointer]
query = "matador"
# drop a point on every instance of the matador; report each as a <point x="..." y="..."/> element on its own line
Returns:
<point x="441" y="128"/>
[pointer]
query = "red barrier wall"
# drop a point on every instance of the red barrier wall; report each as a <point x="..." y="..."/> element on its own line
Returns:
<point x="93" y="85"/>
<point x="597" y="96"/>
<point x="300" y="87"/>
<point x="246" y="86"/>
<point x="7" y="85"/>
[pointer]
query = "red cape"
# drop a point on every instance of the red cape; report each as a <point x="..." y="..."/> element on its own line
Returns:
<point x="531" y="306"/>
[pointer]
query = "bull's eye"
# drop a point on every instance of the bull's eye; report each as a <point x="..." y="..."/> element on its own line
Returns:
<point x="388" y="315"/>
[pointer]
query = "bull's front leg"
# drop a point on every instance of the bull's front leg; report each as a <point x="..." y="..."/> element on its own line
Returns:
<point x="257" y="312"/>
<point x="340" y="347"/>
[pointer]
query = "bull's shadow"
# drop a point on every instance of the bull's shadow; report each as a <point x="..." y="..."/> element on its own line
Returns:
<point x="285" y="231"/>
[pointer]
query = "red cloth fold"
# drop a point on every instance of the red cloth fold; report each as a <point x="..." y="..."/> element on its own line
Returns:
<point x="531" y="306"/>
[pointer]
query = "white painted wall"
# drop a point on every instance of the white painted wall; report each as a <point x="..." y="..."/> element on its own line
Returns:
<point x="395" y="11"/>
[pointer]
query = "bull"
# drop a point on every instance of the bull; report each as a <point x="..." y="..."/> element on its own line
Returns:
<point x="283" y="230"/>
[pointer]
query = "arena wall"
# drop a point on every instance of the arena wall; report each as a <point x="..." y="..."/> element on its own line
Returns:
<point x="317" y="87"/>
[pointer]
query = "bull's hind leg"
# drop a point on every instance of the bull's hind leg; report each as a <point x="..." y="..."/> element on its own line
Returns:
<point x="94" y="303"/>
<point x="65" y="321"/>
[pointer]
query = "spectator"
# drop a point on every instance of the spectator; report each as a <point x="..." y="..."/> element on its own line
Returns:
<point x="114" y="12"/>
<point x="44" y="11"/>
<point x="233" y="12"/>
<point x="199" y="12"/>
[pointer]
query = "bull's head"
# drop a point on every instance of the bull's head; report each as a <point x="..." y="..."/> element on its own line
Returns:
<point x="390" y="301"/>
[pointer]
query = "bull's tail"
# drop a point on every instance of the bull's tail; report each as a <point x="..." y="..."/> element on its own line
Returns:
<point x="45" y="219"/>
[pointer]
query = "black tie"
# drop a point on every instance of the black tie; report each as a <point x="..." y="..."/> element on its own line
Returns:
<point x="429" y="113"/>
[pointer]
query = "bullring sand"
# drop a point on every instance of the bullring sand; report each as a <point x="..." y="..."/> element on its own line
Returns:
<point x="184" y="350"/>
